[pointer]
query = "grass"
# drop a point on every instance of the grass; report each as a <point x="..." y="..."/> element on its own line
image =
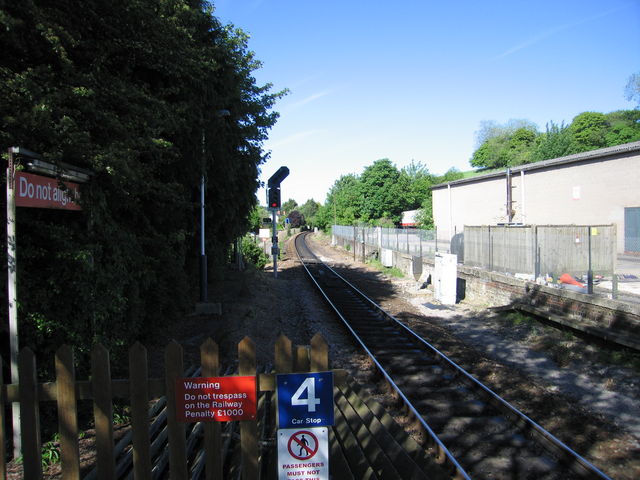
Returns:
<point x="623" y="357"/>
<point x="391" y="271"/>
<point x="519" y="318"/>
<point x="561" y="344"/>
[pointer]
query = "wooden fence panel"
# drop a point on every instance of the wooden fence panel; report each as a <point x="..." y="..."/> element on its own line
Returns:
<point x="248" y="430"/>
<point x="101" y="389"/>
<point x="67" y="413"/>
<point x="103" y="411"/>
<point x="319" y="354"/>
<point x="29" y="415"/>
<point x="177" y="440"/>
<point x="283" y="355"/>
<point x="209" y="359"/>
<point x="139" y="391"/>
<point x="301" y="361"/>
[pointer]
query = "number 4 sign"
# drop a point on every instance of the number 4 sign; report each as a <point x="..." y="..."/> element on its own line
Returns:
<point x="305" y="399"/>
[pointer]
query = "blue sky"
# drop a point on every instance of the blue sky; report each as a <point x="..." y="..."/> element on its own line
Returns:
<point x="412" y="80"/>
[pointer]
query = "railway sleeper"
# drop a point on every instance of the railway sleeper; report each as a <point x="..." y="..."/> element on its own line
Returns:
<point x="426" y="361"/>
<point x="510" y="464"/>
<point x="383" y="354"/>
<point x="447" y="393"/>
<point x="365" y="323"/>
<point x="427" y="382"/>
<point x="393" y="341"/>
<point x="413" y="370"/>
<point x="474" y="430"/>
<point x="433" y="407"/>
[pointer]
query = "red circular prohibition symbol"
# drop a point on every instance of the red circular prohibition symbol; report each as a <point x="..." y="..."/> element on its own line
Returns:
<point x="303" y="445"/>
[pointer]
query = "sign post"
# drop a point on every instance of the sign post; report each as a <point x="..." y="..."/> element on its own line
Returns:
<point x="12" y="288"/>
<point x="28" y="190"/>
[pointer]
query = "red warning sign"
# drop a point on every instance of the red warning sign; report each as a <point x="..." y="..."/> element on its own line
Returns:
<point x="43" y="192"/>
<point x="216" y="399"/>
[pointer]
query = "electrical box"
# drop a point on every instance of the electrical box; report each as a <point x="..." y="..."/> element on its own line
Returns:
<point x="445" y="278"/>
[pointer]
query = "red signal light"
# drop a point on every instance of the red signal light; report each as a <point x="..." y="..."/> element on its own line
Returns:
<point x="274" y="197"/>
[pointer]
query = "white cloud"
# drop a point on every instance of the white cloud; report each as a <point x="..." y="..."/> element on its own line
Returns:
<point x="291" y="138"/>
<point x="308" y="99"/>
<point x="549" y="33"/>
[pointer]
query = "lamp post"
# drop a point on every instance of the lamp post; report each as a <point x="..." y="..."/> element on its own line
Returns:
<point x="203" y="254"/>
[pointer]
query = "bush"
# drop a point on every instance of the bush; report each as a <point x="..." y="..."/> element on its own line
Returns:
<point x="253" y="254"/>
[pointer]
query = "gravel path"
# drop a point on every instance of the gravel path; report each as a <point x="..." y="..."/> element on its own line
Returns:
<point x="587" y="388"/>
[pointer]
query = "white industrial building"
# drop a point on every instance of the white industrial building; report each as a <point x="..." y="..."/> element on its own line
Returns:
<point x="591" y="188"/>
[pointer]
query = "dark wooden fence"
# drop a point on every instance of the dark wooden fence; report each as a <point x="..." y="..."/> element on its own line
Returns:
<point x="139" y="389"/>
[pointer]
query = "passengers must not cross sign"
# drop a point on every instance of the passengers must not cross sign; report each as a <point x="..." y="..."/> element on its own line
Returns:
<point x="303" y="454"/>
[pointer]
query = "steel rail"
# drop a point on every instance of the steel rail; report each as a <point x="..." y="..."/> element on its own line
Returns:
<point x="443" y="451"/>
<point x="551" y="443"/>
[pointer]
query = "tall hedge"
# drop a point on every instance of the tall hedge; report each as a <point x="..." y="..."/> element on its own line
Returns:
<point x="128" y="89"/>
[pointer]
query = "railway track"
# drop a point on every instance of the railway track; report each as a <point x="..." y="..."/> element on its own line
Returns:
<point x="478" y="434"/>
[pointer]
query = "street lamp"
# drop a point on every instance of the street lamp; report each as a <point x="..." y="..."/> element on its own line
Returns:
<point x="203" y="255"/>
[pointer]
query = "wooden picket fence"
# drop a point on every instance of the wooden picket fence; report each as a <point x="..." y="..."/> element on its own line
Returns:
<point x="139" y="389"/>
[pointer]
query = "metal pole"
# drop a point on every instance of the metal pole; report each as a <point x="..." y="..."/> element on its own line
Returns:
<point x="364" y="247"/>
<point x="355" y="240"/>
<point x="203" y="255"/>
<point x="509" y="198"/>
<point x="436" y="234"/>
<point x="12" y="266"/>
<point x="589" y="271"/>
<point x="274" y="243"/>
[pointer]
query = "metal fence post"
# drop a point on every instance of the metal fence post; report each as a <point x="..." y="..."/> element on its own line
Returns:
<point x="589" y="270"/>
<point x="536" y="253"/>
<point x="436" y="239"/>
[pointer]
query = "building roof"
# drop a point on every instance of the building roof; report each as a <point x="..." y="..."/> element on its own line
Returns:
<point x="601" y="153"/>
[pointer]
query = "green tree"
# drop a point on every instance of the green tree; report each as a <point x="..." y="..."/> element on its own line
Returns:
<point x="128" y="90"/>
<point x="555" y="142"/>
<point x="504" y="145"/>
<point x="309" y="210"/>
<point x="343" y="202"/>
<point x="420" y="182"/>
<point x="289" y="206"/>
<point x="625" y="127"/>
<point x="589" y="131"/>
<point x="384" y="192"/>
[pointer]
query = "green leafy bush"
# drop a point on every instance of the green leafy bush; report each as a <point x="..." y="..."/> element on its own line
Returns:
<point x="253" y="253"/>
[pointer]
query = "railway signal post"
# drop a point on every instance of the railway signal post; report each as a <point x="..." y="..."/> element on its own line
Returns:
<point x="273" y="202"/>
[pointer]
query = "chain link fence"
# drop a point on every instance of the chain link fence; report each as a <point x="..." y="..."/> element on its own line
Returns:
<point x="528" y="251"/>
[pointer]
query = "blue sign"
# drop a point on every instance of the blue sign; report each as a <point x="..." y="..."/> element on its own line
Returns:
<point x="305" y="399"/>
